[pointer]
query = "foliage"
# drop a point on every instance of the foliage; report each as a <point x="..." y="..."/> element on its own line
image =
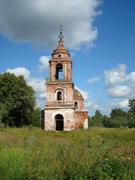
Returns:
<point x="118" y="117"/>
<point x="131" y="113"/>
<point x="17" y="101"/>
<point x="36" y="117"/>
<point x="96" y="120"/>
<point x="96" y="153"/>
<point x="132" y="105"/>
<point x="131" y="119"/>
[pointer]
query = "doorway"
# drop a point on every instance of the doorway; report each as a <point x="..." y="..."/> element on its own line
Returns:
<point x="59" y="122"/>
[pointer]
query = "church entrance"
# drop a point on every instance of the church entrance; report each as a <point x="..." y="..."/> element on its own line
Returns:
<point x="59" y="122"/>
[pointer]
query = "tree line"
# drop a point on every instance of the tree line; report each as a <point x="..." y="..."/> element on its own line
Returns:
<point x="117" y="118"/>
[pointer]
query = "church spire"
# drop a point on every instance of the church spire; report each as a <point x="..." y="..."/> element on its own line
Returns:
<point x="60" y="48"/>
<point x="61" y="37"/>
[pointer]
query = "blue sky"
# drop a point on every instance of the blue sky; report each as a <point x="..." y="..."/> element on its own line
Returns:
<point x="99" y="34"/>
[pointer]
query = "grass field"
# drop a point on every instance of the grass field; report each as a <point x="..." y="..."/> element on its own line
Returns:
<point x="97" y="153"/>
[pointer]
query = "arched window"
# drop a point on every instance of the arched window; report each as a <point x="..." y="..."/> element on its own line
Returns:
<point x="76" y="105"/>
<point x="59" y="95"/>
<point x="59" y="71"/>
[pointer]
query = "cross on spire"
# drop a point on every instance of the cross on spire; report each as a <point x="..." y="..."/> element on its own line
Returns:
<point x="61" y="37"/>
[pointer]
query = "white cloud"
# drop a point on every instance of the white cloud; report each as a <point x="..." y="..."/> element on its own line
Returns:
<point x="93" y="80"/>
<point x="130" y="78"/>
<point x="91" y="105"/>
<point x="116" y="75"/>
<point x="44" y="63"/>
<point x="107" y="105"/>
<point x="38" y="84"/>
<point x="38" y="21"/>
<point x="20" y="71"/>
<point x="119" y="91"/>
<point x="120" y="84"/>
<point x="123" y="103"/>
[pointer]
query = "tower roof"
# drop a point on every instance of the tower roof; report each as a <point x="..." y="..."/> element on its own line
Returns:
<point x="60" y="48"/>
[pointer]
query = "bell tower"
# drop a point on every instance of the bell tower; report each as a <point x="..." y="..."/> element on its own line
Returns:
<point x="61" y="64"/>
<point x="59" y="112"/>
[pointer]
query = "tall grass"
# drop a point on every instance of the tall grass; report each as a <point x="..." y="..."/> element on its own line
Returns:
<point x="83" y="154"/>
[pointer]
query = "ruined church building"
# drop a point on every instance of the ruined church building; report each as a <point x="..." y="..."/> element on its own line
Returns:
<point x="64" y="110"/>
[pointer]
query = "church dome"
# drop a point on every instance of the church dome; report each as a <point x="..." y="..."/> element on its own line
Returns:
<point x="78" y="95"/>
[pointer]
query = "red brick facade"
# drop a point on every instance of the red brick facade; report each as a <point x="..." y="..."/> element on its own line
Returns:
<point x="64" y="108"/>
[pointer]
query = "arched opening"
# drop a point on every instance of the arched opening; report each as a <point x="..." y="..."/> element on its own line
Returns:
<point x="59" y="95"/>
<point x="59" y="122"/>
<point x="59" y="71"/>
<point x="76" y="105"/>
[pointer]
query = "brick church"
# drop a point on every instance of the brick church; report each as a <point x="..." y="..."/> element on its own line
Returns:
<point x="64" y="110"/>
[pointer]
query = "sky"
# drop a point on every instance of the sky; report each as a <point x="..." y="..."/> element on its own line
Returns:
<point x="100" y="35"/>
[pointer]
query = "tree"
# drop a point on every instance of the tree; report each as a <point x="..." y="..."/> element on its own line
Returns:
<point x="118" y="118"/>
<point x="132" y="105"/>
<point x="17" y="100"/>
<point x="106" y="121"/>
<point x="96" y="120"/>
<point x="131" y="119"/>
<point x="36" y="117"/>
<point x="131" y="113"/>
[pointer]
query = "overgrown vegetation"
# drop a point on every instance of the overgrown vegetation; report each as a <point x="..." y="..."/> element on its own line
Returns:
<point x="17" y="102"/>
<point x="118" y="118"/>
<point x="94" y="154"/>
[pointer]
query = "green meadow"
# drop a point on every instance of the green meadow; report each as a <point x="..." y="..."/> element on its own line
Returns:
<point x="96" y="153"/>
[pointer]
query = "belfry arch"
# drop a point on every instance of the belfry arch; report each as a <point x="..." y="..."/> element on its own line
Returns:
<point x="59" y="71"/>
